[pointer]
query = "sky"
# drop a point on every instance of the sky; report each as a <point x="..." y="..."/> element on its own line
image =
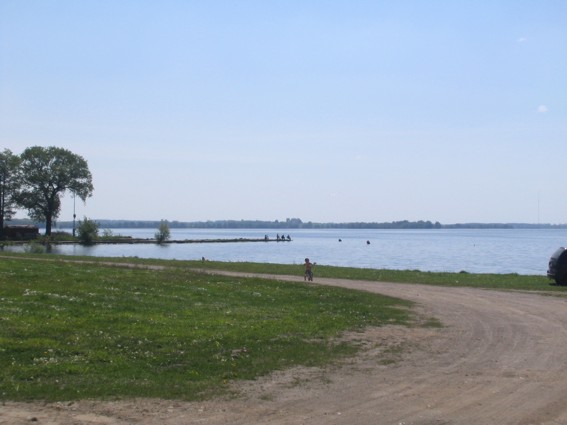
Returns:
<point x="327" y="111"/>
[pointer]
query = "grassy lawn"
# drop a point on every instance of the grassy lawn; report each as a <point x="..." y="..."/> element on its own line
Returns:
<point x="70" y="330"/>
<point x="73" y="331"/>
<point x="510" y="281"/>
<point x="495" y="281"/>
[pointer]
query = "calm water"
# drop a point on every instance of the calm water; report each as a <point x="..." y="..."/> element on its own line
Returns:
<point x="523" y="251"/>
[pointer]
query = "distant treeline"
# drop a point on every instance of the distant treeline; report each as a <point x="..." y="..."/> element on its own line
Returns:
<point x="295" y="223"/>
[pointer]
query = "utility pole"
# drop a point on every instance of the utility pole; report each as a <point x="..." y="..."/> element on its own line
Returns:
<point x="74" y="215"/>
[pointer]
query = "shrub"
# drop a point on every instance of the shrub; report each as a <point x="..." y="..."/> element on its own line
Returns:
<point x="163" y="233"/>
<point x="87" y="231"/>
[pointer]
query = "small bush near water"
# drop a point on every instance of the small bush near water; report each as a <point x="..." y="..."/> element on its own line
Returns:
<point x="71" y="331"/>
<point x="87" y="231"/>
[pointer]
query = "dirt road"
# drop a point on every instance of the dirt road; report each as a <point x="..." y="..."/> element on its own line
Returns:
<point x="501" y="358"/>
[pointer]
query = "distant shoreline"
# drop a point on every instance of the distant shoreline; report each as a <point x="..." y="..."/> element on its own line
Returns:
<point x="294" y="223"/>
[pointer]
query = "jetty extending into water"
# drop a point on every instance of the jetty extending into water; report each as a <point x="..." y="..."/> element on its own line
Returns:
<point x="129" y="240"/>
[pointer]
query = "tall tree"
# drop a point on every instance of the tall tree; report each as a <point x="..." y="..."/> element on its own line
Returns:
<point x="9" y="185"/>
<point x="47" y="173"/>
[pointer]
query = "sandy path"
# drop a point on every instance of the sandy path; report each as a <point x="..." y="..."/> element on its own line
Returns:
<point x="501" y="358"/>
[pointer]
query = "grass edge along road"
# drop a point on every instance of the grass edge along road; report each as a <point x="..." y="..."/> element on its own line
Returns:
<point x="75" y="330"/>
<point x="511" y="281"/>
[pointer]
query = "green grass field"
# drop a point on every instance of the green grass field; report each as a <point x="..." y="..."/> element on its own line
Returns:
<point x="71" y="330"/>
<point x="495" y="281"/>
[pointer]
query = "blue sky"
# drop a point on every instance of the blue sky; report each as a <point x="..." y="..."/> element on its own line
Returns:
<point x="450" y="111"/>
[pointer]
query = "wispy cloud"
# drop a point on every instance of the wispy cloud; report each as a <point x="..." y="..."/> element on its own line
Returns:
<point x="542" y="109"/>
<point x="522" y="40"/>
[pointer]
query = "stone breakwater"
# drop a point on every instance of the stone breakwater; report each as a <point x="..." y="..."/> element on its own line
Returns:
<point x="182" y="241"/>
<point x="135" y="241"/>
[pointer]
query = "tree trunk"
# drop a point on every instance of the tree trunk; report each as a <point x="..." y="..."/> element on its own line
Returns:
<point x="48" y="221"/>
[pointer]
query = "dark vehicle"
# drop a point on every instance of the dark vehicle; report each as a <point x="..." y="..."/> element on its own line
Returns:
<point x="557" y="268"/>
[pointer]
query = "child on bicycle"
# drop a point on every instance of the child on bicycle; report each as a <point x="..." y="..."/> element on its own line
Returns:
<point x="308" y="270"/>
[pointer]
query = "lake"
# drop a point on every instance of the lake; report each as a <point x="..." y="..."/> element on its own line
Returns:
<point x="522" y="251"/>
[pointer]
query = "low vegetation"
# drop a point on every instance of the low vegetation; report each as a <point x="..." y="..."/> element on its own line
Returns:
<point x="511" y="281"/>
<point x="87" y="231"/>
<point x="83" y="328"/>
<point x="163" y="233"/>
<point x="73" y="330"/>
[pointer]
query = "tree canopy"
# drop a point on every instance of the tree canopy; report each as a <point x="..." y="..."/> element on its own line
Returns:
<point x="46" y="174"/>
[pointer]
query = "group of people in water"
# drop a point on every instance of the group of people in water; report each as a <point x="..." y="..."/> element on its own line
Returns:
<point x="279" y="238"/>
